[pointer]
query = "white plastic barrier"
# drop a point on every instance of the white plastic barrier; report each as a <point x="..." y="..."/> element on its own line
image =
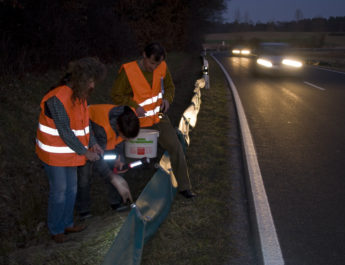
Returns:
<point x="188" y="120"/>
<point x="189" y="116"/>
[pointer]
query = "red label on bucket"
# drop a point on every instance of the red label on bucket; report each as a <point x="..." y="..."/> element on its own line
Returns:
<point x="141" y="150"/>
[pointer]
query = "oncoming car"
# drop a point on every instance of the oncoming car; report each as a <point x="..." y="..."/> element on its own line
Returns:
<point x="241" y="51"/>
<point x="277" y="57"/>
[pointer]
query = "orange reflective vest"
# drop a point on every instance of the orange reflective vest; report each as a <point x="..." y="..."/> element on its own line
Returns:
<point x="150" y="98"/>
<point x="99" y="114"/>
<point x="50" y="147"/>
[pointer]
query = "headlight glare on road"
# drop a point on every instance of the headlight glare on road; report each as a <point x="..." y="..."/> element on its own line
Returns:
<point x="292" y="63"/>
<point x="264" y="62"/>
<point x="245" y="52"/>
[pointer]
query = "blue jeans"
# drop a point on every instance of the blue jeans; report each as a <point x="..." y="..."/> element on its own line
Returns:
<point x="62" y="194"/>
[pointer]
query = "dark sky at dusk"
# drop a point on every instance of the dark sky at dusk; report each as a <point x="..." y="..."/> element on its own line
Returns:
<point x="282" y="10"/>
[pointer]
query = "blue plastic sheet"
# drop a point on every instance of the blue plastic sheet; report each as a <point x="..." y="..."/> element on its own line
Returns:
<point x="150" y="210"/>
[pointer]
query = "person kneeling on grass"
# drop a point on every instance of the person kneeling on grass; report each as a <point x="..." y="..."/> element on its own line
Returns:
<point x="111" y="125"/>
<point x="64" y="141"/>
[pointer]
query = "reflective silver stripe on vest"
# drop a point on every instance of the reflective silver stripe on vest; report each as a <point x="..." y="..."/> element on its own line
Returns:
<point x="55" y="149"/>
<point x="152" y="112"/>
<point x="151" y="100"/>
<point x="54" y="132"/>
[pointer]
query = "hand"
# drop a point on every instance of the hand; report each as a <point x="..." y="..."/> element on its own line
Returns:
<point x="97" y="149"/>
<point x="122" y="187"/>
<point x="140" y="111"/>
<point x="165" y="106"/>
<point x="119" y="165"/>
<point x="92" y="156"/>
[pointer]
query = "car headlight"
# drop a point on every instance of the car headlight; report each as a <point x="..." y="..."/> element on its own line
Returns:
<point x="245" y="52"/>
<point x="264" y="62"/>
<point x="292" y="63"/>
<point x="236" y="51"/>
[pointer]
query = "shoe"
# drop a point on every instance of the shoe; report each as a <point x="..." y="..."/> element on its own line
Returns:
<point x="59" y="238"/>
<point x="75" y="229"/>
<point x="188" y="194"/>
<point x="120" y="207"/>
<point x="84" y="216"/>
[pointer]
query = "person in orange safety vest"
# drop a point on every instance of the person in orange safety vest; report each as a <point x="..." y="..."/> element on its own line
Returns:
<point x="64" y="141"/>
<point x="111" y="125"/>
<point x="146" y="86"/>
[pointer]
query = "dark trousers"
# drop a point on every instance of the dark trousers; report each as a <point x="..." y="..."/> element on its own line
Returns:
<point x="169" y="141"/>
<point x="83" y="200"/>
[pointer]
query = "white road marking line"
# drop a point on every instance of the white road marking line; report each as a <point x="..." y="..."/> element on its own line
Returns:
<point x="329" y="70"/>
<point x="270" y="248"/>
<point x="310" y="84"/>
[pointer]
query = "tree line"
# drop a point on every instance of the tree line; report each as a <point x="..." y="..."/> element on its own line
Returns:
<point x="335" y="25"/>
<point x="36" y="34"/>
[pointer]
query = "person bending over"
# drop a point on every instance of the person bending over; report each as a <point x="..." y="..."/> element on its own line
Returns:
<point x="111" y="125"/>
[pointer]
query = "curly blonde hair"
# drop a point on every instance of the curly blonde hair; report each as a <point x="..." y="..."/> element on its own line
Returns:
<point x="80" y="73"/>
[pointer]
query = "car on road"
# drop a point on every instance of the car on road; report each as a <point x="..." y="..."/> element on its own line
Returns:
<point x="276" y="58"/>
<point x="241" y="51"/>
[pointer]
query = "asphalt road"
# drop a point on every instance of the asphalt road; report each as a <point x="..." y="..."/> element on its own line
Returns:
<point x="298" y="129"/>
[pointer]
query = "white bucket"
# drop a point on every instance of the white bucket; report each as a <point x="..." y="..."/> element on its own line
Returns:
<point x="144" y="145"/>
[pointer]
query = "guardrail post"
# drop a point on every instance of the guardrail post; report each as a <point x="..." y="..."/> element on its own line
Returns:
<point x="205" y="70"/>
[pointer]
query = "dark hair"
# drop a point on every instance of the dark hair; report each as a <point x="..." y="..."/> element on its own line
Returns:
<point x="155" y="49"/>
<point x="128" y="123"/>
<point x="80" y="72"/>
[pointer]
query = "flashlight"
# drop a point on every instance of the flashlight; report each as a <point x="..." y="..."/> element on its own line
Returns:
<point x="109" y="156"/>
<point x="134" y="164"/>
